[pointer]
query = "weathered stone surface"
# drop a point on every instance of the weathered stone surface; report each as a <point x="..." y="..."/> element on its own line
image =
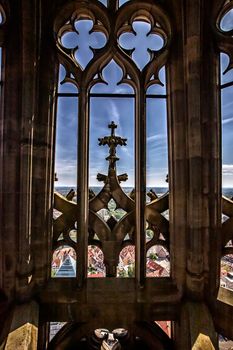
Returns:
<point x="23" y="332"/>
<point x="203" y="342"/>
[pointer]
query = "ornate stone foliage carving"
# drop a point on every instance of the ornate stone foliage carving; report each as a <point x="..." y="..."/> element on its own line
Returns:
<point x="113" y="235"/>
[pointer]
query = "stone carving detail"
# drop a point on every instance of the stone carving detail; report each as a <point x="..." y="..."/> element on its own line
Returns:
<point x="82" y="42"/>
<point x="110" y="339"/>
<point x="86" y="41"/>
<point x="142" y="37"/>
<point x="81" y="38"/>
<point x="113" y="234"/>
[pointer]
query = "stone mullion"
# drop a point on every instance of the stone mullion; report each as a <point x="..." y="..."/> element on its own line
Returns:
<point x="43" y="145"/>
<point x="82" y="187"/>
<point x="193" y="55"/>
<point x="140" y="183"/>
<point x="211" y="122"/>
<point x="178" y="177"/>
<point x="24" y="268"/>
<point x="200" y="148"/>
<point x="203" y="141"/>
<point x="178" y="167"/>
<point x="10" y="140"/>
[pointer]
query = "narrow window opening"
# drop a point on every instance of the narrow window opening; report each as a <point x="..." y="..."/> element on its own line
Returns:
<point x="226" y="88"/>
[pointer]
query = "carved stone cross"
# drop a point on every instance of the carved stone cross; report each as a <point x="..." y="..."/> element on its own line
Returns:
<point x="112" y="141"/>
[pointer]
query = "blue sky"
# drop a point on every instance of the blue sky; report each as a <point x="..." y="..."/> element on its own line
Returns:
<point x="226" y="24"/>
<point x="227" y="124"/>
<point x="103" y="110"/>
<point x="121" y="111"/>
<point x="121" y="2"/>
<point x="107" y="109"/>
<point x="66" y="141"/>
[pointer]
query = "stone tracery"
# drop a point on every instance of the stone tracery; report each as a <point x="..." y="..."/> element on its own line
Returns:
<point x="111" y="233"/>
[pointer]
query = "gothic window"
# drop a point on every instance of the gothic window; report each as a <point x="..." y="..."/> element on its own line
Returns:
<point x="112" y="82"/>
<point x="225" y="26"/>
<point x="227" y="165"/>
<point x="64" y="248"/>
<point x="226" y="86"/>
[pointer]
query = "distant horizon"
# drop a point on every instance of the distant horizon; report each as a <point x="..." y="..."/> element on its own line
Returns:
<point x="124" y="186"/>
<point x="153" y="186"/>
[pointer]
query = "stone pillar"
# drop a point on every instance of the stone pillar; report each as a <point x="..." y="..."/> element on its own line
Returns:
<point x="195" y="172"/>
<point x="43" y="146"/>
<point x="25" y="148"/>
<point x="29" y="42"/>
<point x="10" y="155"/>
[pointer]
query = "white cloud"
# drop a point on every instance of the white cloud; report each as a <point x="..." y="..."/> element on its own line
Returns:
<point x="115" y="116"/>
<point x="227" y="120"/>
<point x="66" y="171"/>
<point x="227" y="175"/>
<point x="227" y="103"/>
<point x="157" y="137"/>
<point x="227" y="169"/>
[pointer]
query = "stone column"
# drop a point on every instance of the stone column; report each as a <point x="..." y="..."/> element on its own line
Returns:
<point x="10" y="155"/>
<point x="195" y="173"/>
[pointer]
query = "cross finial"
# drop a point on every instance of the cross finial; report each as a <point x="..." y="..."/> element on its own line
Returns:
<point x="112" y="141"/>
<point x="112" y="126"/>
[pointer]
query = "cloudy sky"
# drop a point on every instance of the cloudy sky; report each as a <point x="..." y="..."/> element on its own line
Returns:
<point x="103" y="110"/>
<point x="227" y="124"/>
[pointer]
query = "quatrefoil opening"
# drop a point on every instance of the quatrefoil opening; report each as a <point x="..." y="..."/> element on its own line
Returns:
<point x="142" y="43"/>
<point x="82" y="41"/>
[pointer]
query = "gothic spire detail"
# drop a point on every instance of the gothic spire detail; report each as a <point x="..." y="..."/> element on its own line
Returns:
<point x="112" y="141"/>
